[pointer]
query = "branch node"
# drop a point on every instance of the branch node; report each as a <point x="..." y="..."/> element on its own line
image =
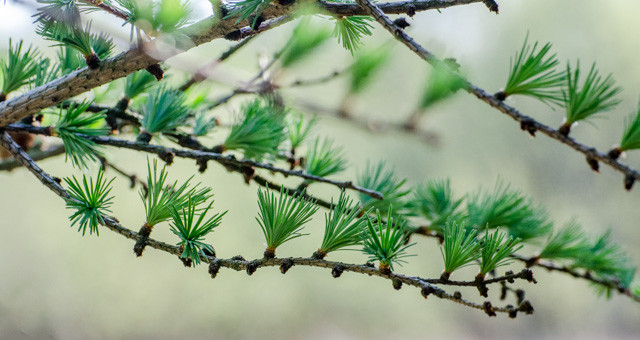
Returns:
<point x="337" y="271"/>
<point x="286" y="265"/>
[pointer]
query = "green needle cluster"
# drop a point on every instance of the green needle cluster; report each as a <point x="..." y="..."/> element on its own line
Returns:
<point x="496" y="250"/>
<point x="582" y="101"/>
<point x="163" y="112"/>
<point x="386" y="241"/>
<point x="435" y="201"/>
<point x="192" y="231"/>
<point x="282" y="218"/>
<point x="91" y="201"/>
<point x="350" y="31"/>
<point x="343" y="226"/>
<point x="259" y="132"/>
<point x="323" y="159"/>
<point x="533" y="74"/>
<point x="298" y="130"/>
<point x="631" y="137"/>
<point x="459" y="249"/>
<point x="18" y="69"/>
<point x="73" y="125"/>
<point x="381" y="179"/>
<point x="306" y="39"/>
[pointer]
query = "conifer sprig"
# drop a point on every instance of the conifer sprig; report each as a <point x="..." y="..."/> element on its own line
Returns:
<point x="508" y="208"/>
<point x="459" y="249"/>
<point x="607" y="260"/>
<point x="343" y="228"/>
<point x="298" y="130"/>
<point x="46" y="71"/>
<point x="68" y="60"/>
<point x="246" y="8"/>
<point x="163" y="112"/>
<point x="65" y="11"/>
<point x="496" y="249"/>
<point x="18" y="69"/>
<point x="91" y="200"/>
<point x="191" y="231"/>
<point x="630" y="138"/>
<point x="582" y="101"/>
<point x="137" y="83"/>
<point x="73" y="123"/>
<point x="435" y="201"/>
<point x="381" y="179"/>
<point x="323" y="159"/>
<point x="350" y="31"/>
<point x="366" y="65"/>
<point x="160" y="196"/>
<point x="441" y="84"/>
<point x="568" y="243"/>
<point x="259" y="132"/>
<point x="203" y="124"/>
<point x="75" y="37"/>
<point x="532" y="74"/>
<point x="153" y="17"/>
<point x="386" y="242"/>
<point x="282" y="218"/>
<point x="305" y="40"/>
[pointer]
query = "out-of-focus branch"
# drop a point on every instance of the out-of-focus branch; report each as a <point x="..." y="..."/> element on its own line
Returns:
<point x="526" y="123"/>
<point x="36" y="155"/>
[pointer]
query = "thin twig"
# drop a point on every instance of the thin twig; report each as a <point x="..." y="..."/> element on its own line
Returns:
<point x="526" y="123"/>
<point x="241" y="264"/>
<point x="201" y="156"/>
<point x="36" y="155"/>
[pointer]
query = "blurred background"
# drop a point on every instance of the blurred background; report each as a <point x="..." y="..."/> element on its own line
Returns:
<point x="56" y="284"/>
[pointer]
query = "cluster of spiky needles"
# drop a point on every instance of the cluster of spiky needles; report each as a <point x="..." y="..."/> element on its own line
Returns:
<point x="258" y="135"/>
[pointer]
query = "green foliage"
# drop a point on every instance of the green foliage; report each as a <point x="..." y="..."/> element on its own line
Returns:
<point x="305" y="40"/>
<point x="69" y="60"/>
<point x="496" y="249"/>
<point x="323" y="159"/>
<point x="74" y="123"/>
<point x="102" y="45"/>
<point x="19" y="69"/>
<point x="160" y="198"/>
<point x="282" y="219"/>
<point x="460" y="247"/>
<point x="91" y="201"/>
<point x="343" y="228"/>
<point x="441" y="84"/>
<point x="596" y="95"/>
<point x="137" y="83"/>
<point x="366" y="65"/>
<point x="203" y="124"/>
<point x="532" y="74"/>
<point x="259" y="132"/>
<point x="192" y="232"/>
<point x="386" y="242"/>
<point x="157" y="15"/>
<point x="46" y="71"/>
<point x="245" y="8"/>
<point x="164" y="111"/>
<point x="508" y="208"/>
<point x="607" y="260"/>
<point x="631" y="138"/>
<point x="297" y="129"/>
<point x="436" y="202"/>
<point x="68" y="35"/>
<point x="65" y="11"/>
<point x="382" y="180"/>
<point x="350" y="30"/>
<point x="570" y="242"/>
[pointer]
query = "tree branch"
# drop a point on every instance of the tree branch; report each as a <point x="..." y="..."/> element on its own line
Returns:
<point x="526" y="123"/>
<point x="136" y="59"/>
<point x="238" y="263"/>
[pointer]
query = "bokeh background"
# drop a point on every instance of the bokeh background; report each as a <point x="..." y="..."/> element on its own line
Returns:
<point x="56" y="284"/>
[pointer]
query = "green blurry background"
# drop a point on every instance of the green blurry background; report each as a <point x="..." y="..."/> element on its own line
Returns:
<point x="54" y="283"/>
